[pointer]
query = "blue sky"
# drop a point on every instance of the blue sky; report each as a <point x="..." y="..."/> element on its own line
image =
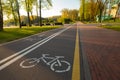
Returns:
<point x="58" y="5"/>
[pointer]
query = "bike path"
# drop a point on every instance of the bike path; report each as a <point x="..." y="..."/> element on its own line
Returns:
<point x="60" y="45"/>
<point x="20" y="44"/>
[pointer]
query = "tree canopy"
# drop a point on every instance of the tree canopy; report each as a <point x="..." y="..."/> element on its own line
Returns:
<point x="11" y="8"/>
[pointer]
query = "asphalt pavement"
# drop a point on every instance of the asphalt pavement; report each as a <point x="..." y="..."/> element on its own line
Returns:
<point x="73" y="52"/>
<point x="44" y="56"/>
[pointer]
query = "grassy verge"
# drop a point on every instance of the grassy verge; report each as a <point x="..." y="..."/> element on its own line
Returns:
<point x="10" y="34"/>
<point x="113" y="27"/>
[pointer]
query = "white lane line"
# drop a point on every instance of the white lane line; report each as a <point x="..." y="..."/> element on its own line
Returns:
<point x="29" y="50"/>
<point x="4" y="60"/>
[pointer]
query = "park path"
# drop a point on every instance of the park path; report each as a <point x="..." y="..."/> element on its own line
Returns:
<point x="102" y="49"/>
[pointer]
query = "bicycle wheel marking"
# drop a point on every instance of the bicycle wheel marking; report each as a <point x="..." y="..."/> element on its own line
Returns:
<point x="31" y="63"/>
<point x="55" y="64"/>
<point x="60" y="71"/>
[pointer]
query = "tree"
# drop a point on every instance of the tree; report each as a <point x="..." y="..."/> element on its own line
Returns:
<point x="65" y="13"/>
<point x="83" y="10"/>
<point x="70" y="13"/>
<point x="35" y="3"/>
<point x="101" y="7"/>
<point x="1" y="17"/>
<point x="10" y="8"/>
<point x="28" y="4"/>
<point x="93" y="9"/>
<point x="47" y="3"/>
<point x="88" y="10"/>
<point x="73" y="14"/>
<point x="27" y="7"/>
<point x="118" y="5"/>
<point x="40" y="23"/>
<point x="17" y="9"/>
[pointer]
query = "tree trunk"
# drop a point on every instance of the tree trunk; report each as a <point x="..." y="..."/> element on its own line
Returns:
<point x="13" y="13"/>
<point x="83" y="14"/>
<point x="37" y="9"/>
<point x="28" y="14"/>
<point x="29" y="21"/>
<point x="20" y="26"/>
<point x="100" y="16"/>
<point x="1" y="17"/>
<point x="40" y="14"/>
<point x="19" y="19"/>
<point x="117" y="12"/>
<point x="32" y="17"/>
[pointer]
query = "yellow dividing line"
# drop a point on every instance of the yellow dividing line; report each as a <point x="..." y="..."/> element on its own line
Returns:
<point x="76" y="63"/>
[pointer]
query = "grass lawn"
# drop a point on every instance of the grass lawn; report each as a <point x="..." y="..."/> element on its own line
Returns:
<point x="113" y="27"/>
<point x="10" y="34"/>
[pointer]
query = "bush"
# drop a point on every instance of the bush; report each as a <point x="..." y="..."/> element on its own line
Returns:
<point x="67" y="20"/>
<point x="58" y="23"/>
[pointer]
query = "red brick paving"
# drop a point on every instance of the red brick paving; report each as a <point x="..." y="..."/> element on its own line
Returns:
<point x="102" y="48"/>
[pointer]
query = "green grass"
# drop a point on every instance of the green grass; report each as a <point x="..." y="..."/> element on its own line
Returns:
<point x="105" y="21"/>
<point x="10" y="34"/>
<point x="111" y="21"/>
<point x="113" y="27"/>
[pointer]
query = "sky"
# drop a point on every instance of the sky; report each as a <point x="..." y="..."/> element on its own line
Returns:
<point x="58" y="5"/>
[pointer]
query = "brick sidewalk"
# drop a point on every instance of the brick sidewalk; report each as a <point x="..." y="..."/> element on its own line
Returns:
<point x="102" y="48"/>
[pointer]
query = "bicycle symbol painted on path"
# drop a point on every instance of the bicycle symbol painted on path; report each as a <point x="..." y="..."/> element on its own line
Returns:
<point x="55" y="63"/>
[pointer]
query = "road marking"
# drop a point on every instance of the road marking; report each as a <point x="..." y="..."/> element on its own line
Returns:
<point x="76" y="63"/>
<point x="27" y="50"/>
<point x="49" y="61"/>
<point x="4" y="60"/>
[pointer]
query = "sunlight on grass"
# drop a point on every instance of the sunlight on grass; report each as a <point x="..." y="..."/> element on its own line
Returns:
<point x="10" y="34"/>
<point x="116" y="27"/>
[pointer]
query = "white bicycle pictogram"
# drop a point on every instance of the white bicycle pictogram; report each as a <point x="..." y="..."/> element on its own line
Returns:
<point x="55" y="63"/>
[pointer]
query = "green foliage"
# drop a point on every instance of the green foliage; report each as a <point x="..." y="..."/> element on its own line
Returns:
<point x="11" y="9"/>
<point x="68" y="15"/>
<point x="90" y="10"/>
<point x="67" y="20"/>
<point x="111" y="21"/>
<point x="60" y="19"/>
